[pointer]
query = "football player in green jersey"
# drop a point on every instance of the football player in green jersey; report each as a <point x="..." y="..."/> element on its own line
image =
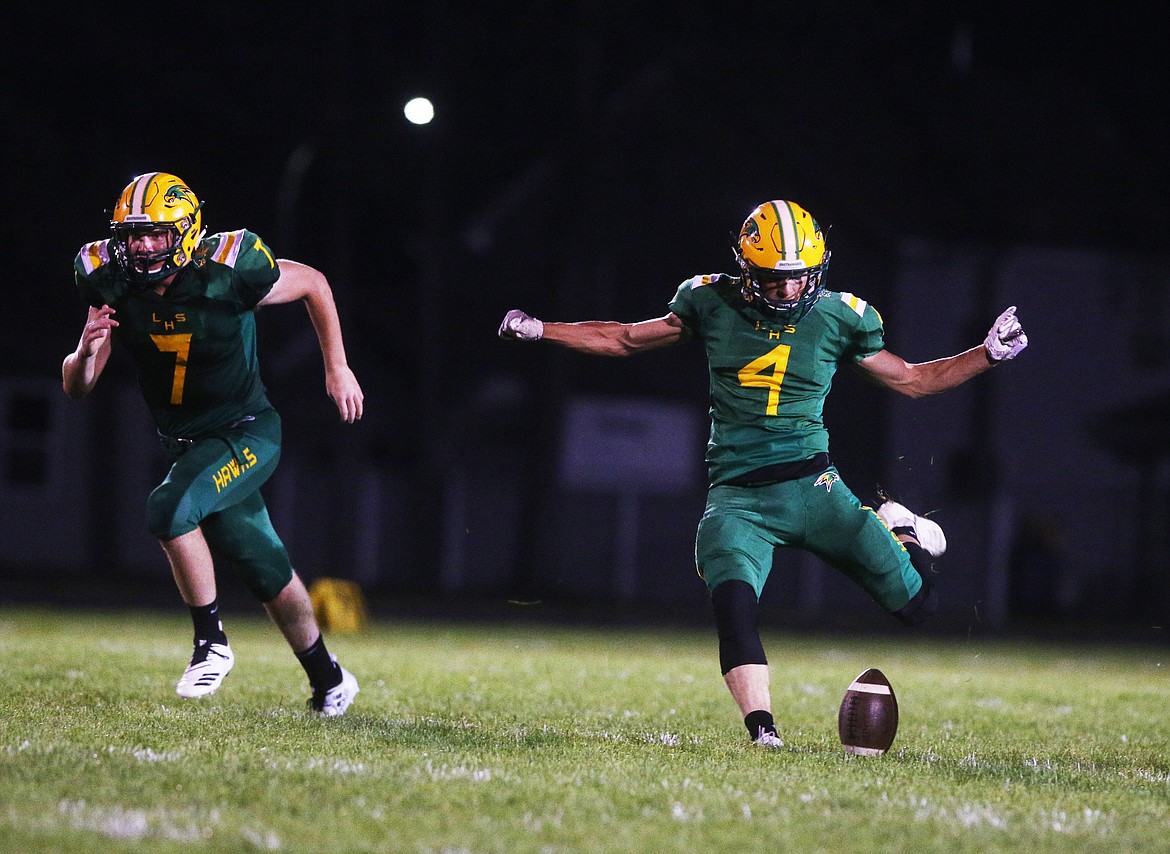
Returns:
<point x="183" y="304"/>
<point x="774" y="337"/>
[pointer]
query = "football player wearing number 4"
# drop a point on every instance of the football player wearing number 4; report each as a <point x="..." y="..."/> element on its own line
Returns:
<point x="182" y="304"/>
<point x="774" y="337"/>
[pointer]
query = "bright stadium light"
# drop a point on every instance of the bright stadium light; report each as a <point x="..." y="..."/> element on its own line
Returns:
<point x="419" y="111"/>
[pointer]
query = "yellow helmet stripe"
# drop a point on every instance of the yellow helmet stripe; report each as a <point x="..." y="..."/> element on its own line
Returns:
<point x="787" y="222"/>
<point x="789" y="245"/>
<point x="136" y="198"/>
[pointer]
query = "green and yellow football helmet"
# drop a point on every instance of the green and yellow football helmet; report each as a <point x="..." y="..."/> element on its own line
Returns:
<point x="780" y="240"/>
<point x="156" y="201"/>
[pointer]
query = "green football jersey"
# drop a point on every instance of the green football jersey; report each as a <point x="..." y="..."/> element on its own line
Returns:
<point x="769" y="380"/>
<point x="194" y="347"/>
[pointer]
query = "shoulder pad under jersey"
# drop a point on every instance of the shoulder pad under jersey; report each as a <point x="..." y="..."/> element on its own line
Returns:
<point x="235" y="248"/>
<point x="97" y="276"/>
<point x="705" y="279"/>
<point x="92" y="256"/>
<point x="856" y="304"/>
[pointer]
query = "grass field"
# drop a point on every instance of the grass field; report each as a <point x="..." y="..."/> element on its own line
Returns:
<point x="493" y="738"/>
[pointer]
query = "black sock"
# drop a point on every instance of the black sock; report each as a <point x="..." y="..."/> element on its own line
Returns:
<point x="208" y="628"/>
<point x="322" y="670"/>
<point x="759" y="720"/>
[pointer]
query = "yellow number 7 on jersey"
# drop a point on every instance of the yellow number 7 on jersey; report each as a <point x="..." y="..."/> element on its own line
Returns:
<point x="752" y="374"/>
<point x="180" y="345"/>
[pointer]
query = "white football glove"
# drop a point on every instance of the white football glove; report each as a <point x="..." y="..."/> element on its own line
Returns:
<point x="1006" y="339"/>
<point x="520" y="326"/>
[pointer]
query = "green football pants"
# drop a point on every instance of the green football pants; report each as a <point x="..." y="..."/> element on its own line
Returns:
<point x="742" y="525"/>
<point x="214" y="484"/>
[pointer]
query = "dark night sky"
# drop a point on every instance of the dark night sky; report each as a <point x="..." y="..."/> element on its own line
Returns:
<point x="586" y="156"/>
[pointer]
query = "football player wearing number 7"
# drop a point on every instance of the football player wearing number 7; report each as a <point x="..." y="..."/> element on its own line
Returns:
<point x="182" y="304"/>
<point x="774" y="337"/>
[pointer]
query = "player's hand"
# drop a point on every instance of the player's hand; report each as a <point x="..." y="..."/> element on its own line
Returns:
<point x="1006" y="339"/>
<point x="96" y="332"/>
<point x="520" y="326"/>
<point x="343" y="388"/>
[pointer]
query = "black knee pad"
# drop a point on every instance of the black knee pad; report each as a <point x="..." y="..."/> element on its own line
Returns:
<point x="736" y="613"/>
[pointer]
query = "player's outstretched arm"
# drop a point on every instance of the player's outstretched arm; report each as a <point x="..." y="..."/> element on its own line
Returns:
<point x="301" y="282"/>
<point x="81" y="369"/>
<point x="1005" y="340"/>
<point x="597" y="337"/>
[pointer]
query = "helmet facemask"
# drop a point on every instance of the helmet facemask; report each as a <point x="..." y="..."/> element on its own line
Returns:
<point x="754" y="279"/>
<point x="138" y="264"/>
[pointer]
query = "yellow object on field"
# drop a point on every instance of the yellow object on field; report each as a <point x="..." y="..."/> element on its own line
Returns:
<point x="338" y="605"/>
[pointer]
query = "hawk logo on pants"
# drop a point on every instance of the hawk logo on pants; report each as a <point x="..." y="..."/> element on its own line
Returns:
<point x="827" y="480"/>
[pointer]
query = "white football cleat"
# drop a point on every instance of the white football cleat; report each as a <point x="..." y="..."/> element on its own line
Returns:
<point x="336" y="700"/>
<point x="929" y="535"/>
<point x="209" y="664"/>
<point x="767" y="739"/>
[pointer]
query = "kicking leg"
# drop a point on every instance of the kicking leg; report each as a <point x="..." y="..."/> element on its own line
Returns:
<point x="910" y="527"/>
<point x="923" y="540"/>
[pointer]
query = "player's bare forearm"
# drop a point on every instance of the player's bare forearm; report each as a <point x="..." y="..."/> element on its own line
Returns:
<point x="327" y="324"/>
<point x="595" y="337"/>
<point x="610" y="338"/>
<point x="301" y="282"/>
<point x="945" y="374"/>
<point x="1005" y="341"/>
<point x="340" y="383"/>
<point x="81" y="369"/>
<point x="925" y="378"/>
<point x="79" y="375"/>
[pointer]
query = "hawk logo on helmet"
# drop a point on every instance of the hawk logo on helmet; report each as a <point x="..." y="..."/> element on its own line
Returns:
<point x="750" y="231"/>
<point x="827" y="479"/>
<point x="176" y="194"/>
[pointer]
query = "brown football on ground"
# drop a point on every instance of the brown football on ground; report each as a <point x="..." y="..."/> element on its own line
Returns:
<point x="868" y="718"/>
